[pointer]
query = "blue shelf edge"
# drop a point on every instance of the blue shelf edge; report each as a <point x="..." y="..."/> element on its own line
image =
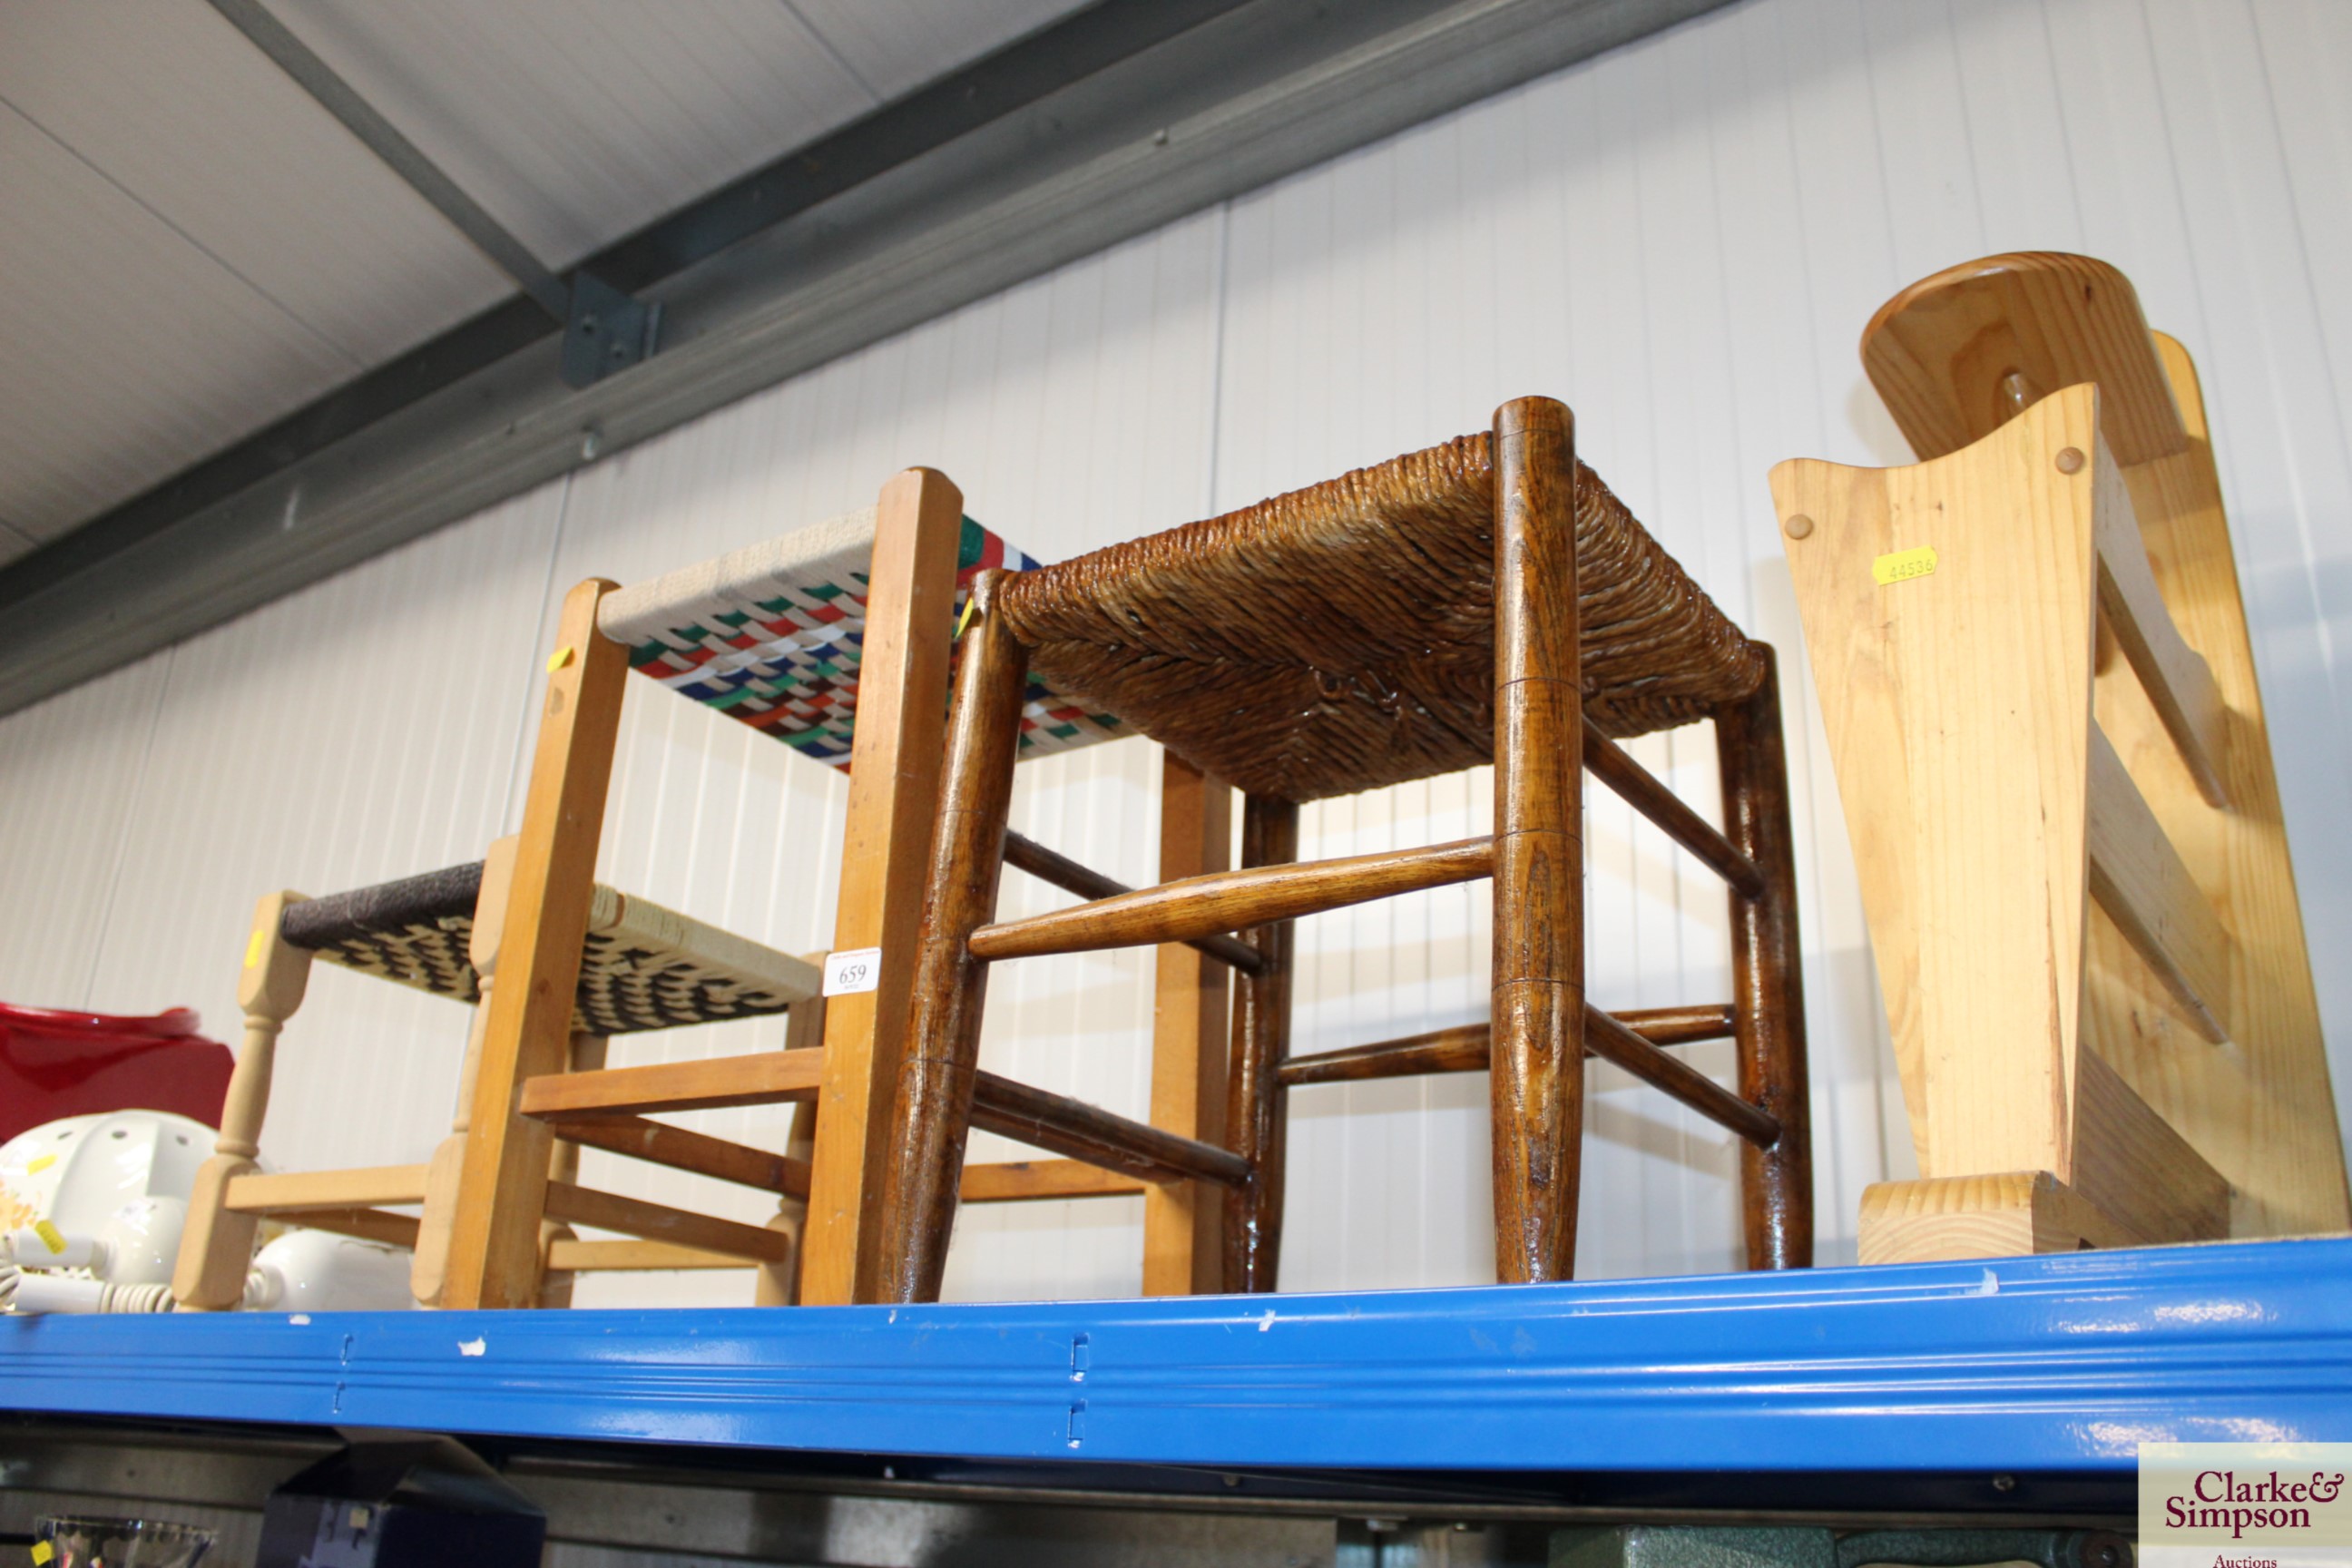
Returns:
<point x="2047" y="1364"/>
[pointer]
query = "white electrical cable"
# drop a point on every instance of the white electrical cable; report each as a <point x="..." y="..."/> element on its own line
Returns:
<point x="41" y="1292"/>
<point x="46" y="1290"/>
<point x="45" y="1270"/>
<point x="139" y="1298"/>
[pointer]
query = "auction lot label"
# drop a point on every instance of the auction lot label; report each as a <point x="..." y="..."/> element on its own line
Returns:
<point x="2245" y="1505"/>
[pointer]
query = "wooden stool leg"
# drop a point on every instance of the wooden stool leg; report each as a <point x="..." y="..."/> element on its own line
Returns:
<point x="428" y="1270"/>
<point x="1255" y="1100"/>
<point x="1182" y="1220"/>
<point x="587" y="1055"/>
<point x="1768" y="984"/>
<point x="1537" y="1073"/>
<point x="886" y="855"/>
<point x="493" y="1254"/>
<point x="933" y="1116"/>
<point x="217" y="1248"/>
<point x="779" y="1284"/>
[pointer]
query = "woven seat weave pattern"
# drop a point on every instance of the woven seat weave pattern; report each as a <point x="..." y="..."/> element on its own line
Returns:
<point x="774" y="635"/>
<point x="626" y="987"/>
<point x="418" y="931"/>
<point x="1341" y="637"/>
<point x="415" y="931"/>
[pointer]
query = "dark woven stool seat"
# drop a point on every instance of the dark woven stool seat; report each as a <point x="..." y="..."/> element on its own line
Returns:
<point x="1341" y="637"/>
<point x="642" y="966"/>
<point x="414" y="931"/>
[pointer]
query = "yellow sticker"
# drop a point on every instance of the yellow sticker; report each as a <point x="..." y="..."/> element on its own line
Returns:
<point x="51" y="1237"/>
<point x="971" y="609"/>
<point x="39" y="1163"/>
<point x="41" y="1552"/>
<point x="1902" y="565"/>
<point x="558" y="659"/>
<point x="255" y="948"/>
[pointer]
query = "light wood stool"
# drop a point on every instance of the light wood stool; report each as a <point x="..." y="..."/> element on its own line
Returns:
<point x="834" y="640"/>
<point x="641" y="967"/>
<point x="852" y="618"/>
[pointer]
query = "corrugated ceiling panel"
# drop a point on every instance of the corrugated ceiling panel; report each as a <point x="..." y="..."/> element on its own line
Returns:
<point x="1682" y="240"/>
<point x="131" y="353"/>
<point x="171" y="103"/>
<point x="892" y="50"/>
<point x="204" y="248"/>
<point x="575" y="124"/>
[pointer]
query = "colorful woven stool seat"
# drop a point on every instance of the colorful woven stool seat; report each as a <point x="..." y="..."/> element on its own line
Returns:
<point x="772" y="635"/>
<point x="642" y="967"/>
<point x="1341" y="637"/>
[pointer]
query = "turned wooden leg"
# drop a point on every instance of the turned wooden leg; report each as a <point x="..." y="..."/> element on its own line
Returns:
<point x="1537" y="1067"/>
<point x="1768" y="985"/>
<point x="216" y="1247"/>
<point x="933" y="1115"/>
<point x="1255" y="1100"/>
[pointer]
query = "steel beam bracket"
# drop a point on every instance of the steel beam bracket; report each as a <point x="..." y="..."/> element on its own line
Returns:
<point x="606" y="330"/>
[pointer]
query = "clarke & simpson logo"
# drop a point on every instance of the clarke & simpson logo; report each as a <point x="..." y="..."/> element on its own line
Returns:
<point x="2218" y="1499"/>
<point x="2245" y="1505"/>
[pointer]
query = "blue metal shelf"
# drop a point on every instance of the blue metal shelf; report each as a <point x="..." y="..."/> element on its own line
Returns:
<point x="2046" y="1364"/>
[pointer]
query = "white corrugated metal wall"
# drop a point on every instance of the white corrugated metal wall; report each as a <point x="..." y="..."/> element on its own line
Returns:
<point x="1681" y="240"/>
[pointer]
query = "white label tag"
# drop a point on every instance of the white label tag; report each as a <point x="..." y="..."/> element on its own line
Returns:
<point x="851" y="970"/>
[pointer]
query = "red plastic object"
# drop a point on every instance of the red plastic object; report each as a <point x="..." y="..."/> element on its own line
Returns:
<point x="56" y="1064"/>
